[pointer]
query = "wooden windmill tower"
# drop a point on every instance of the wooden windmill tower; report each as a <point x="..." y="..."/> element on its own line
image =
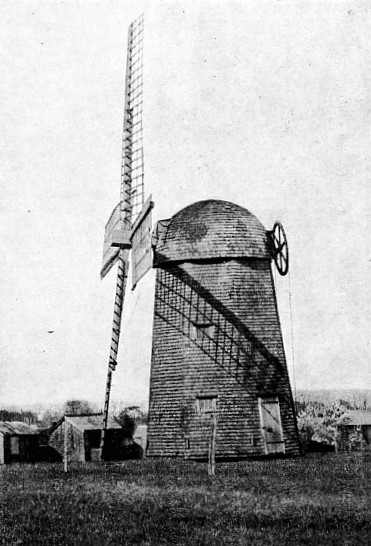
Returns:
<point x="129" y="226"/>
<point x="217" y="342"/>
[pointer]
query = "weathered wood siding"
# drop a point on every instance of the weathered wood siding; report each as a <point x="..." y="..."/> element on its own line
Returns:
<point x="27" y="448"/>
<point x="82" y="442"/>
<point x="245" y="359"/>
<point x="56" y="439"/>
<point x="76" y="445"/>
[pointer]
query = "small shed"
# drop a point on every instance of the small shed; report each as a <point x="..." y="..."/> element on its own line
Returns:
<point x="18" y="442"/>
<point x="83" y="434"/>
<point x="355" y="434"/>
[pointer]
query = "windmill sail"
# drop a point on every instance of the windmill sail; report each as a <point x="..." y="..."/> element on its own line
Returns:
<point x="131" y="196"/>
<point x="110" y="253"/>
<point x="132" y="169"/>
<point x="132" y="175"/>
<point x="141" y="235"/>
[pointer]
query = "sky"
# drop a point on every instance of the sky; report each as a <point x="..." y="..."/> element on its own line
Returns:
<point x="265" y="104"/>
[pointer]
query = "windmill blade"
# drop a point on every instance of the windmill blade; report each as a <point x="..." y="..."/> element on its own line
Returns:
<point x="134" y="211"/>
<point x="110" y="253"/>
<point x="131" y="197"/>
<point x="141" y="235"/>
<point x="132" y="172"/>
<point x="132" y="166"/>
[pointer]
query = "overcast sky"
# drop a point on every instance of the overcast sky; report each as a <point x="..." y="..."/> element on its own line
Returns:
<point x="266" y="104"/>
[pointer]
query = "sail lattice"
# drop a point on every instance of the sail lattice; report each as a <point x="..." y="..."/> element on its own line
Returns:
<point x="132" y="175"/>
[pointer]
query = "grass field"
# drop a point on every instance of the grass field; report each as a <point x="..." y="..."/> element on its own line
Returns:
<point x="295" y="501"/>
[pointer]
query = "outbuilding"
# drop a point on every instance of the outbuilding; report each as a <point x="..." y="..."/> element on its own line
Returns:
<point x="355" y="434"/>
<point x="82" y="433"/>
<point x="18" y="442"/>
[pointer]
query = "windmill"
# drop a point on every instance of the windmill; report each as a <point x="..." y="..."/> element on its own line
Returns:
<point x="129" y="226"/>
<point x="217" y="345"/>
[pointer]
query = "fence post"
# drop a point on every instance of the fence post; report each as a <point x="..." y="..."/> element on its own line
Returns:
<point x="212" y="445"/>
<point x="65" y="451"/>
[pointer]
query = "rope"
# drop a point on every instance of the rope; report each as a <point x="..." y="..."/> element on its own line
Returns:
<point x="292" y="339"/>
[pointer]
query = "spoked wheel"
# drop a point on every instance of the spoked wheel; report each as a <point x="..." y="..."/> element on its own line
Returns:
<point x="280" y="249"/>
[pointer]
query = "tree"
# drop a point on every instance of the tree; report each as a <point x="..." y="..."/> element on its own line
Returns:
<point x="27" y="416"/>
<point x="129" y="418"/>
<point x="127" y="423"/>
<point x="346" y="404"/>
<point x="77" y="407"/>
<point x="49" y="417"/>
<point x="318" y="422"/>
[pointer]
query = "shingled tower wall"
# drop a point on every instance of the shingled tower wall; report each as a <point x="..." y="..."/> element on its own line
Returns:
<point x="217" y="342"/>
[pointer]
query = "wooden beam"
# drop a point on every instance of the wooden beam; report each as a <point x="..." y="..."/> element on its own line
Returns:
<point x="66" y="439"/>
<point x="148" y="205"/>
<point x="121" y="238"/>
<point x="212" y="445"/>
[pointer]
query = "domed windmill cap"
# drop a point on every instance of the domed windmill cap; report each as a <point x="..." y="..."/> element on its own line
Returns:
<point x="210" y="229"/>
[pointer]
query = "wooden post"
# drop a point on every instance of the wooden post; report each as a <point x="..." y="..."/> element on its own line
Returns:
<point x="65" y="454"/>
<point x="212" y="445"/>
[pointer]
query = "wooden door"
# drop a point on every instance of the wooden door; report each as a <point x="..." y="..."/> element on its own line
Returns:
<point x="270" y="419"/>
<point x="197" y="435"/>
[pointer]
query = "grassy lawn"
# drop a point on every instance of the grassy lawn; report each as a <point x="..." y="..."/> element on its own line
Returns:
<point x="296" y="501"/>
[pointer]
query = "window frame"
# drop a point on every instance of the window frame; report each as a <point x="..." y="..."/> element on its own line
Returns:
<point x="206" y="409"/>
<point x="202" y="330"/>
<point x="14" y="445"/>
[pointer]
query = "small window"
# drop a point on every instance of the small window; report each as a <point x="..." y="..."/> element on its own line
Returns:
<point x="14" y="445"/>
<point x="206" y="404"/>
<point x="201" y="331"/>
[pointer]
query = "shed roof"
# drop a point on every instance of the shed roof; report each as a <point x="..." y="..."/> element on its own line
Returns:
<point x="359" y="417"/>
<point x="90" y="422"/>
<point x="16" y="428"/>
<point x="210" y="229"/>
